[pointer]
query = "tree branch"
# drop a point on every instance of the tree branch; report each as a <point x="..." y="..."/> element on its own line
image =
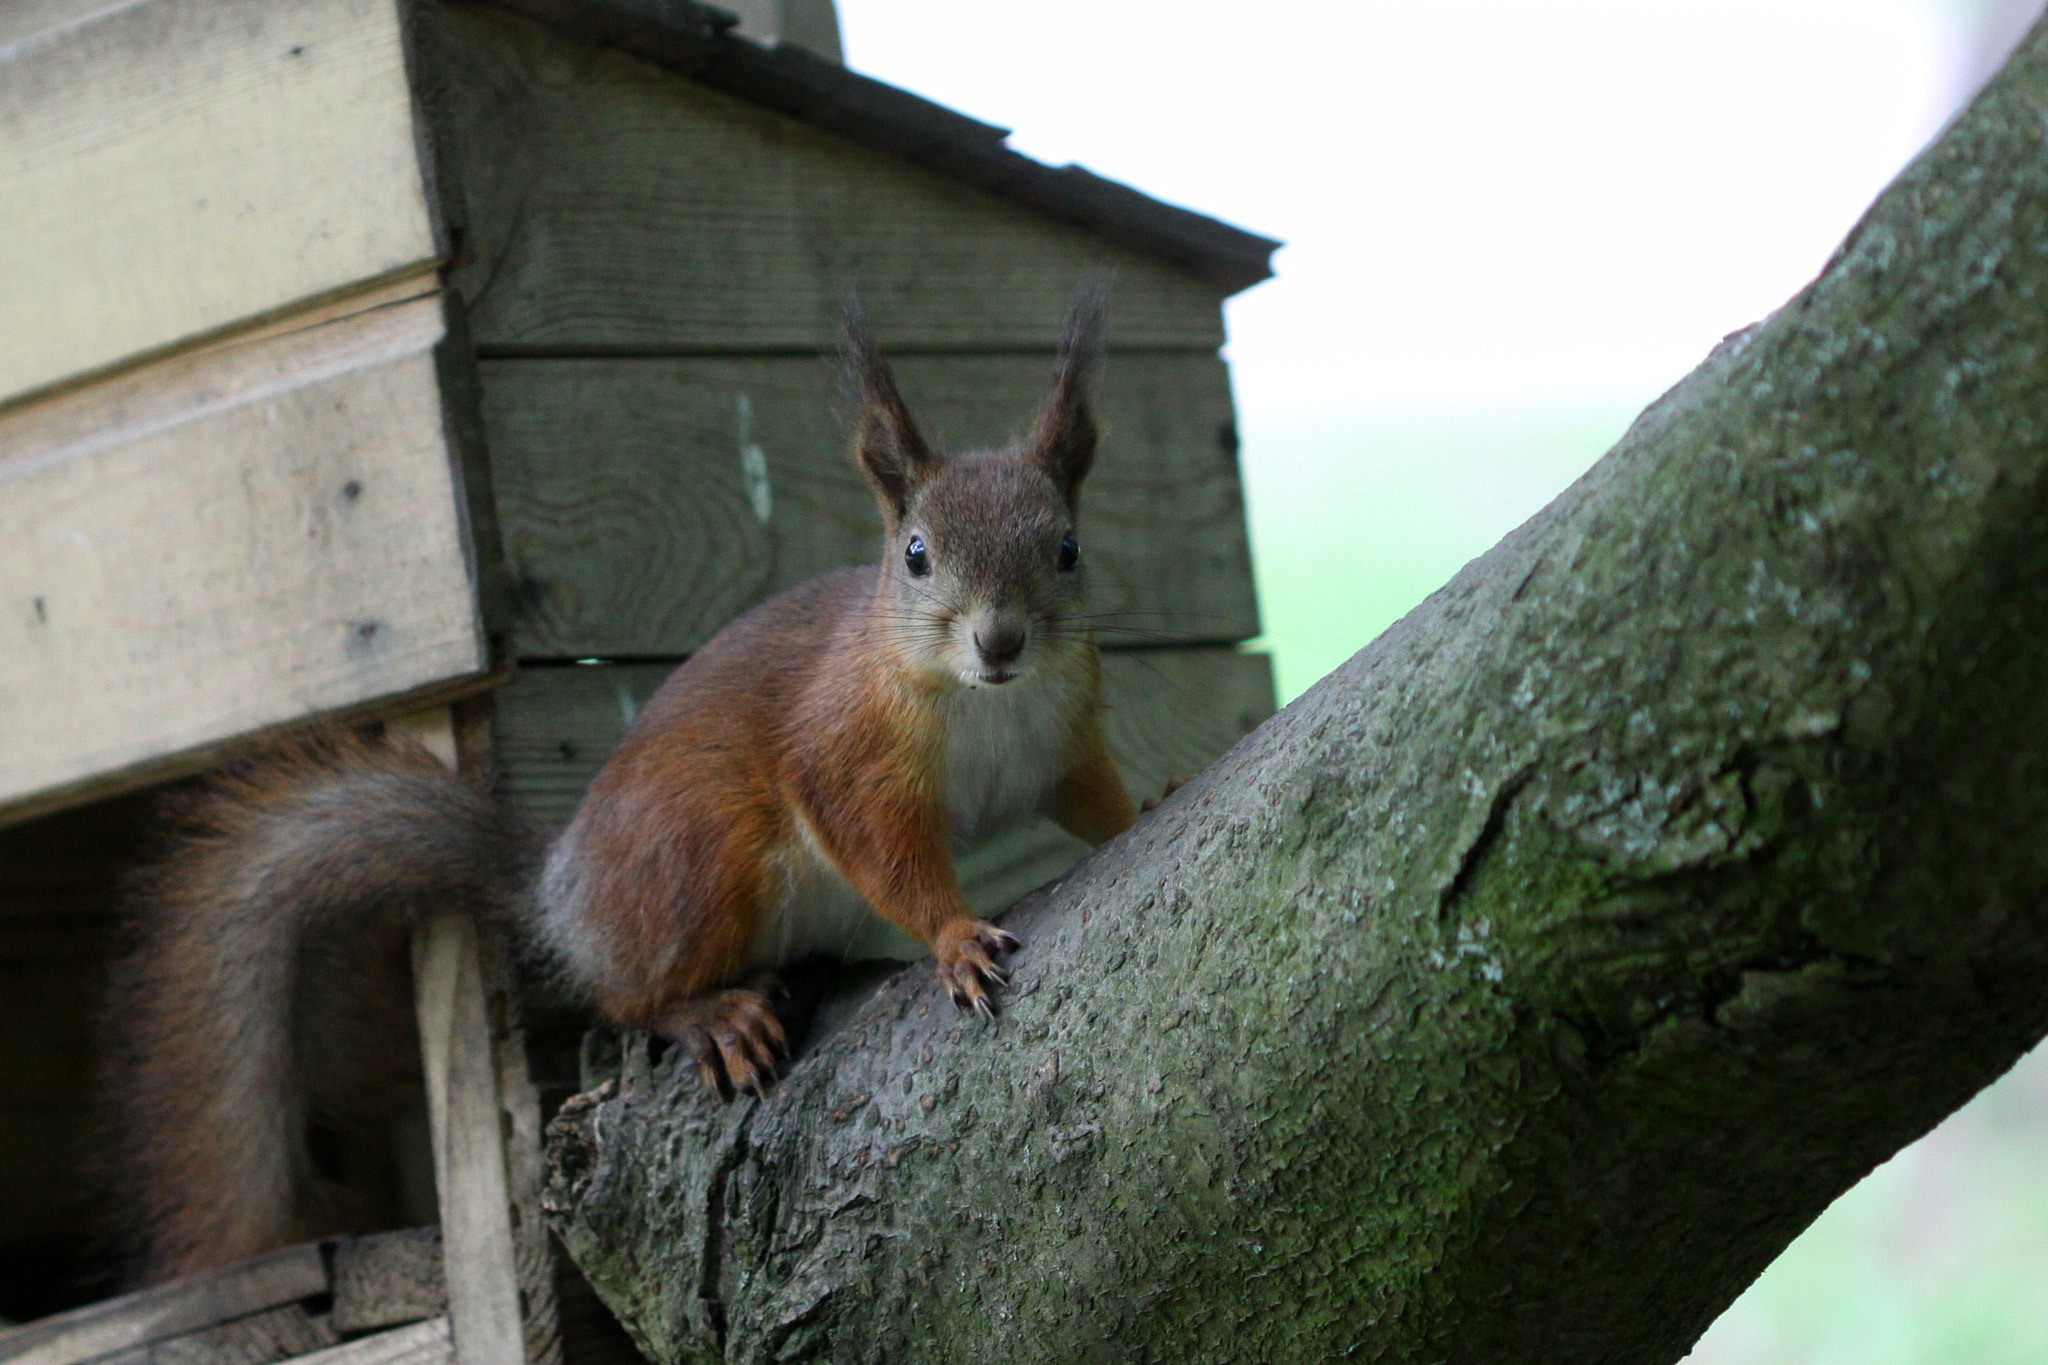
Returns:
<point x="1519" y="992"/>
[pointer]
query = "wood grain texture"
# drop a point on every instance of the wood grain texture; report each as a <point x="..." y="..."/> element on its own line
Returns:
<point x="259" y="1339"/>
<point x="226" y="542"/>
<point x="520" y="1127"/>
<point x="1171" y="713"/>
<point x="460" y="738"/>
<point x="614" y="205"/>
<point x="388" y="1278"/>
<point x="423" y="1343"/>
<point x="175" y="1309"/>
<point x="635" y="528"/>
<point x="533" y="1251"/>
<point x="478" y="1258"/>
<point x="172" y="167"/>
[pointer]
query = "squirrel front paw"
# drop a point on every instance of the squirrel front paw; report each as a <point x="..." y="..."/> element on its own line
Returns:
<point x="733" y="1036"/>
<point x="967" y="963"/>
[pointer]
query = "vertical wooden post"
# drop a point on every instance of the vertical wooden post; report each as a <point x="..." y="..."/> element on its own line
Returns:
<point x="469" y="1148"/>
<point x="499" y="1275"/>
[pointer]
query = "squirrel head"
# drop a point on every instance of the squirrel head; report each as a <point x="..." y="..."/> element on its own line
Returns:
<point x="983" y="581"/>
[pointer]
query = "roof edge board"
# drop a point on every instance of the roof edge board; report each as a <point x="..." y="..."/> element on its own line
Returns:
<point x="698" y="41"/>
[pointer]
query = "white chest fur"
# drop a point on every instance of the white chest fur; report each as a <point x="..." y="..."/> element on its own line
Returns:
<point x="1005" y="751"/>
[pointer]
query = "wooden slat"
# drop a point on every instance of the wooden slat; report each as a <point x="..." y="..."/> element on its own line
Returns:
<point x="1172" y="712"/>
<point x="259" y="1339"/>
<point x="388" y="1278"/>
<point x="423" y="1343"/>
<point x="480" y="1231"/>
<point x="614" y="205"/>
<point x="172" y="167"/>
<point x="635" y="528"/>
<point x="525" y="1159"/>
<point x="469" y="1148"/>
<point x="226" y="542"/>
<point x="167" y="1311"/>
<point x="464" y="741"/>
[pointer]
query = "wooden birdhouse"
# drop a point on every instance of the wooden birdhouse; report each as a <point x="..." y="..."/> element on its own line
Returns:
<point x="466" y="366"/>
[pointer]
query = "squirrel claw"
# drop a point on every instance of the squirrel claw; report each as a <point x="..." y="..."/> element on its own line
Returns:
<point x="733" y="1036"/>
<point x="967" y="965"/>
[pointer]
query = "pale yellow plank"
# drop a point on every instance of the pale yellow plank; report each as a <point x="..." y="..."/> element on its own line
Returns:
<point x="645" y="502"/>
<point x="172" y="167"/>
<point x="612" y="204"/>
<point x="228" y="542"/>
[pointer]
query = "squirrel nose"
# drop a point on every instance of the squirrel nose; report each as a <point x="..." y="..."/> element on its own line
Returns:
<point x="1000" y="644"/>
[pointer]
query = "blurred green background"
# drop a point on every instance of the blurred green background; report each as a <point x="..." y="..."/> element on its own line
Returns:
<point x="1356" y="526"/>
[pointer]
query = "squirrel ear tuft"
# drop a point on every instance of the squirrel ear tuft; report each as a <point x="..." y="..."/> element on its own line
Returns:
<point x="1063" y="440"/>
<point x="889" y="450"/>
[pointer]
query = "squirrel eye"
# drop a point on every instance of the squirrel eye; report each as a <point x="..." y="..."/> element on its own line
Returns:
<point x="1070" y="554"/>
<point x="915" y="557"/>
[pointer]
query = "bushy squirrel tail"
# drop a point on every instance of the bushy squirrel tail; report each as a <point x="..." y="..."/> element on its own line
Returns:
<point x="267" y="988"/>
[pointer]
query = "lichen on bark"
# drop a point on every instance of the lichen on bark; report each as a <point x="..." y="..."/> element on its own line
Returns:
<point x="1522" y="989"/>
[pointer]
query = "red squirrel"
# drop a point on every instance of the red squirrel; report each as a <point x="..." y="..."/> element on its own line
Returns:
<point x="819" y="759"/>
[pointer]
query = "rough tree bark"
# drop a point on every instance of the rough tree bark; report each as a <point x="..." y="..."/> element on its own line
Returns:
<point x="1519" y="992"/>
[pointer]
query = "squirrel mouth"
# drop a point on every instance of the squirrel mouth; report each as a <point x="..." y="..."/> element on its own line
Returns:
<point x="996" y="677"/>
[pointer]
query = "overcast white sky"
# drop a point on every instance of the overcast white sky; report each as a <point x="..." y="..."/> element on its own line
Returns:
<point x="1482" y="198"/>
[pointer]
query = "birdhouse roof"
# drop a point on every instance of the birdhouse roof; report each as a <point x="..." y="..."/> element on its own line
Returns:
<point x="700" y="42"/>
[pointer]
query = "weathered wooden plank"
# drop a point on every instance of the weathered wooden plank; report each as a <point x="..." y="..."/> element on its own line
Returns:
<point x="469" y="1148"/>
<point x="172" y="167"/>
<point x="226" y="542"/>
<point x="1171" y="713"/>
<point x="645" y="502"/>
<point x="169" y="1310"/>
<point x="615" y="205"/>
<point x="259" y="1339"/>
<point x="388" y="1278"/>
<point x="525" y="1163"/>
<point x="458" y="742"/>
<point x="423" y="1343"/>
